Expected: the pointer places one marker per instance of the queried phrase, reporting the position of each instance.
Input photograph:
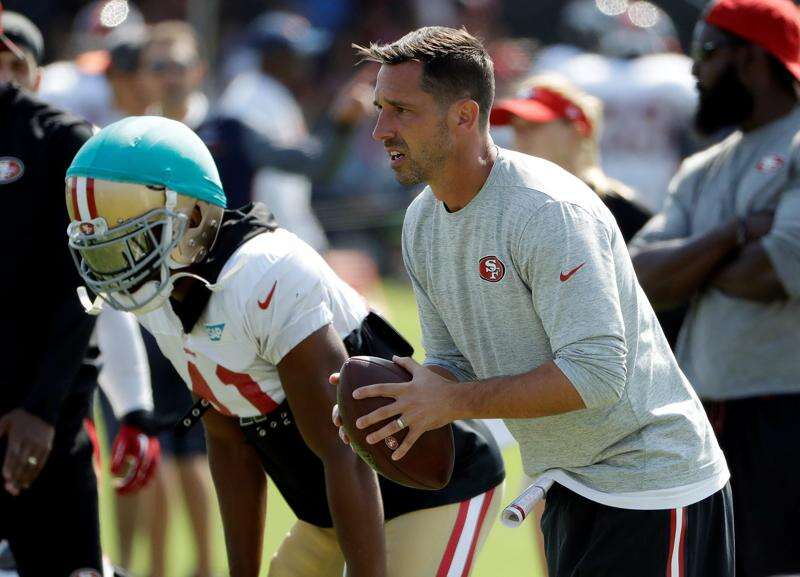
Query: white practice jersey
(649, 104)
(273, 292)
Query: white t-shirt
(272, 293)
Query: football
(429, 462)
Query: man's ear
(466, 113)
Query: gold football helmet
(144, 201)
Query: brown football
(429, 462)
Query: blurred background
(274, 90)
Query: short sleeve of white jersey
(288, 303)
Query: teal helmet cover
(151, 150)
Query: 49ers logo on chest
(770, 163)
(491, 269)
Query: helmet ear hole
(202, 225)
(196, 217)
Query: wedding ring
(400, 423)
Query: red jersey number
(246, 386)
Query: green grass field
(507, 553)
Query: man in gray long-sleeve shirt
(728, 243)
(520, 270)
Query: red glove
(134, 458)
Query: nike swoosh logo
(566, 276)
(264, 305)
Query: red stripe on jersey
(455, 536)
(90, 198)
(248, 388)
(487, 500)
(73, 193)
(201, 389)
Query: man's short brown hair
(455, 64)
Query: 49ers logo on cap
(11, 169)
(491, 268)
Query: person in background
(174, 71)
(728, 243)
(555, 120)
(107, 92)
(46, 393)
(240, 151)
(103, 97)
(264, 98)
(627, 54)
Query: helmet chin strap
(93, 307)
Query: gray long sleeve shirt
(733, 347)
(535, 269)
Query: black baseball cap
(17, 33)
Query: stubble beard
(432, 157)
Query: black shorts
(584, 538)
(761, 440)
(53, 527)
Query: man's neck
(769, 108)
(464, 175)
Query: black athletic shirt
(45, 330)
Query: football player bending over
(254, 321)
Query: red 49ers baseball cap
(540, 105)
(7, 42)
(774, 25)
